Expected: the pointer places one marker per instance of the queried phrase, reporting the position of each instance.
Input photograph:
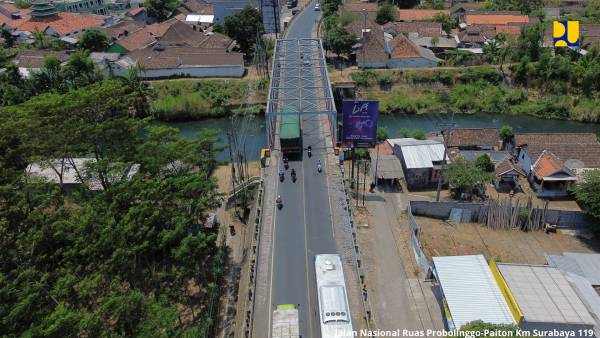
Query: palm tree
(139, 88)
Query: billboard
(360, 121)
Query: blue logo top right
(566, 33)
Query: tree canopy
(340, 41)
(113, 256)
(464, 174)
(243, 27)
(386, 13)
(505, 132)
(161, 9)
(484, 163)
(93, 40)
(587, 193)
(383, 133)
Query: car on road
(317, 7)
(294, 12)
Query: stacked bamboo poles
(506, 215)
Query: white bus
(334, 311)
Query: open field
(441, 238)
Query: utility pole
(365, 41)
(437, 199)
(232, 172)
(357, 180)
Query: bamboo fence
(504, 214)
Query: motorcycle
(286, 166)
(309, 153)
(294, 176)
(279, 205)
(319, 167)
(281, 177)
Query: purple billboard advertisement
(360, 121)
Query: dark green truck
(290, 135)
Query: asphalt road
(303, 228)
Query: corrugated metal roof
(589, 264)
(564, 263)
(586, 292)
(388, 166)
(544, 295)
(410, 141)
(471, 290)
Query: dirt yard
(223, 174)
(440, 238)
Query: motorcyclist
(278, 199)
(309, 148)
(280, 173)
(319, 161)
(285, 160)
(293, 172)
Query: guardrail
(253, 271)
(362, 275)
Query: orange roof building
(494, 19)
(410, 15)
(61, 24)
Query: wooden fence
(506, 215)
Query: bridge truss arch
(299, 83)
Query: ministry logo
(566, 33)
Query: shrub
(174, 108)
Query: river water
(255, 137)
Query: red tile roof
(122, 28)
(473, 137)
(548, 164)
(160, 63)
(423, 29)
(512, 30)
(179, 16)
(136, 40)
(207, 60)
(505, 166)
(9, 7)
(583, 147)
(135, 11)
(495, 19)
(358, 7)
(384, 149)
(4, 19)
(216, 40)
(159, 29)
(179, 34)
(26, 11)
(376, 50)
(62, 24)
(402, 47)
(420, 14)
(356, 27)
(34, 58)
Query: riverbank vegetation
(104, 248)
(185, 100)
(565, 86)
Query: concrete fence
(565, 219)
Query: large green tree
(341, 41)
(93, 40)
(114, 257)
(386, 13)
(243, 27)
(587, 192)
(464, 174)
(161, 9)
(446, 20)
